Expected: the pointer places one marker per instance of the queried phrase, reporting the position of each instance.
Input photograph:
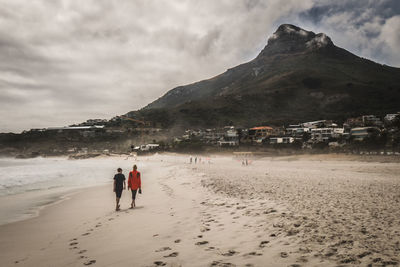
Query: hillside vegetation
(298, 76)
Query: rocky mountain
(298, 76)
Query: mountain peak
(291, 29)
(289, 38)
(298, 76)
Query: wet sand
(275, 212)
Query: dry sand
(292, 211)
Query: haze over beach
(200, 133)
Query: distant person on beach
(135, 184)
(119, 185)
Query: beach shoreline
(40, 199)
(286, 211)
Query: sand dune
(273, 212)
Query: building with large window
(360, 133)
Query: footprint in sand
(21, 260)
(160, 263)
(204, 229)
(284, 255)
(177, 241)
(253, 253)
(85, 234)
(268, 211)
(163, 249)
(263, 243)
(362, 255)
(302, 259)
(230, 252)
(82, 251)
(73, 245)
(173, 254)
(90, 262)
(201, 243)
(222, 264)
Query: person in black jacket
(119, 185)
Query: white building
(213, 136)
(369, 120)
(391, 117)
(326, 134)
(149, 147)
(227, 143)
(281, 140)
(296, 131)
(313, 124)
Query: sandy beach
(284, 211)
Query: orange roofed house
(260, 133)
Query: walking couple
(134, 184)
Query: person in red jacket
(134, 183)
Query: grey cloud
(324, 8)
(63, 62)
(366, 28)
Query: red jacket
(134, 181)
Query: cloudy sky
(63, 62)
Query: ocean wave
(23, 175)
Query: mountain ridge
(299, 75)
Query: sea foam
(24, 175)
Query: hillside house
(296, 131)
(326, 134)
(360, 133)
(371, 120)
(231, 135)
(313, 124)
(212, 136)
(354, 122)
(260, 132)
(390, 117)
